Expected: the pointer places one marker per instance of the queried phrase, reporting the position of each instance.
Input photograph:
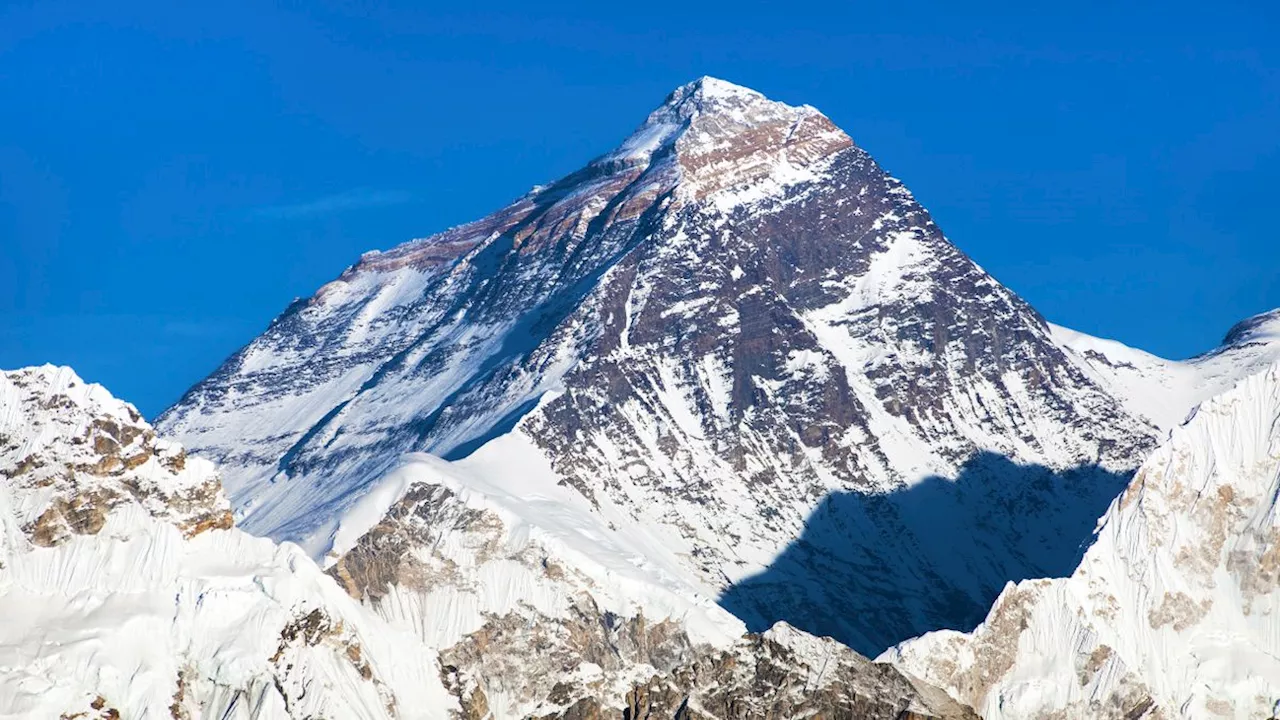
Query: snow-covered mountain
(543, 608)
(1175, 610)
(125, 593)
(735, 338)
(1163, 391)
(558, 462)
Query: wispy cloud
(340, 202)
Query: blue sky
(171, 178)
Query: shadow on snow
(874, 570)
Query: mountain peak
(723, 135)
(709, 90)
(688, 105)
(1261, 328)
(709, 140)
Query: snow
(781, 175)
(145, 618)
(629, 570)
(121, 615)
(347, 529)
(1164, 391)
(646, 141)
(715, 88)
(1177, 597)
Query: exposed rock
(89, 454)
(780, 674)
(98, 710)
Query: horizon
(177, 179)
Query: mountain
(736, 339)
(1174, 611)
(127, 593)
(733, 363)
(621, 449)
(1163, 391)
(542, 608)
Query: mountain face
(125, 592)
(736, 340)
(1174, 611)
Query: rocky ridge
(74, 453)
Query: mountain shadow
(874, 570)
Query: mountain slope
(1164, 391)
(125, 593)
(705, 333)
(541, 607)
(1175, 610)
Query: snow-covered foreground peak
(506, 498)
(125, 594)
(1175, 609)
(72, 454)
(1164, 391)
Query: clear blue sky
(171, 178)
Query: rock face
(1174, 611)
(782, 673)
(125, 594)
(734, 326)
(74, 454)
